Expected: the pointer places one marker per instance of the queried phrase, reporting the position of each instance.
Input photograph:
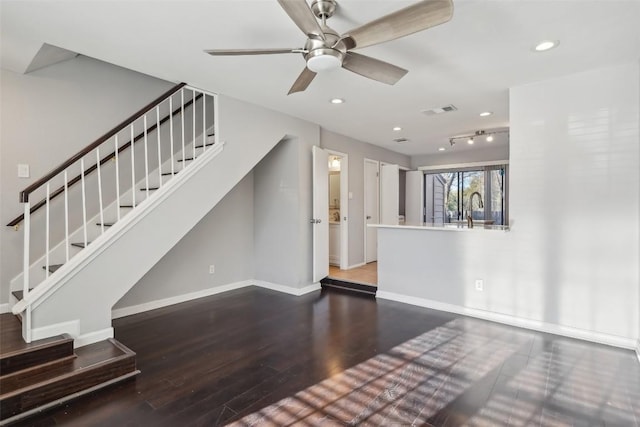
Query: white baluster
(46, 230)
(84, 202)
(99, 192)
(193, 137)
(66, 215)
(182, 128)
(159, 145)
(117, 179)
(146, 157)
(25, 257)
(133, 169)
(204, 122)
(171, 131)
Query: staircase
(48, 372)
(101, 220)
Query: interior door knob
(368, 216)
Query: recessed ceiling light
(545, 45)
(470, 141)
(490, 138)
(337, 101)
(397, 128)
(441, 149)
(486, 113)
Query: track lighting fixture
(471, 138)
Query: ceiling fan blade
(417, 17)
(235, 52)
(303, 81)
(300, 12)
(373, 68)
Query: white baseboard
(152, 305)
(92, 337)
(638, 350)
(357, 265)
(287, 289)
(550, 328)
(4, 308)
(72, 328)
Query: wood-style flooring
(218, 359)
(367, 274)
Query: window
(478, 192)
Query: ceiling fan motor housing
(325, 54)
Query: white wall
(358, 151)
(571, 260)
(223, 238)
(453, 157)
(50, 114)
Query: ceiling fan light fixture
(320, 60)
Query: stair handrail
(20, 218)
(24, 194)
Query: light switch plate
(23, 171)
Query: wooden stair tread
(80, 244)
(52, 268)
(208, 144)
(150, 189)
(93, 365)
(186, 159)
(170, 173)
(127, 206)
(106, 224)
(15, 354)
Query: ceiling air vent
(401, 140)
(439, 110)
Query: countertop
(444, 227)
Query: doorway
(371, 209)
(338, 179)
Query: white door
(320, 220)
(389, 194)
(371, 210)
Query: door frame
(344, 208)
(377, 193)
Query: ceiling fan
(325, 49)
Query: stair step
(349, 286)
(80, 245)
(95, 365)
(17, 355)
(208, 144)
(52, 268)
(186, 159)
(170, 173)
(106, 224)
(127, 206)
(150, 189)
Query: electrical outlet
(212, 269)
(479, 285)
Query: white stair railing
(154, 144)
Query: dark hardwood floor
(217, 359)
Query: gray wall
(572, 257)
(358, 151)
(467, 156)
(223, 238)
(50, 114)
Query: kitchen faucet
(470, 209)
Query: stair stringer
(86, 293)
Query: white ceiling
(470, 61)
